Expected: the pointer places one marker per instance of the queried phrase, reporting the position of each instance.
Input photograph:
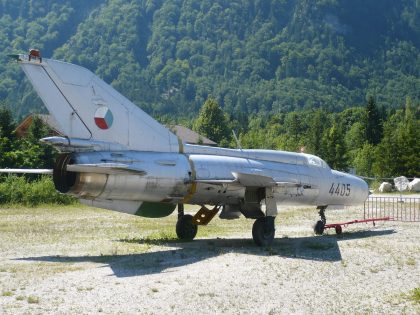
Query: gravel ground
(365, 270)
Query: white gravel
(366, 270)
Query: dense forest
(273, 56)
(371, 141)
(336, 78)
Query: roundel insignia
(103, 117)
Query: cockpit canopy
(316, 161)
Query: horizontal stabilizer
(25, 171)
(105, 168)
(64, 144)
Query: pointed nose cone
(359, 189)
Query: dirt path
(67, 267)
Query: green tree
(373, 122)
(408, 137)
(364, 159)
(212, 122)
(335, 148)
(7, 136)
(318, 122)
(388, 152)
(42, 152)
(294, 128)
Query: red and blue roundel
(103, 117)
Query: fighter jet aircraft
(115, 156)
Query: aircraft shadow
(179, 254)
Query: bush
(19, 190)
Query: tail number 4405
(340, 189)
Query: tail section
(85, 107)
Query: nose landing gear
(320, 225)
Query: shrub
(20, 190)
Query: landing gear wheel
(185, 229)
(338, 229)
(319, 227)
(263, 231)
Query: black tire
(338, 229)
(185, 229)
(263, 231)
(319, 228)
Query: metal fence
(403, 209)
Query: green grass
(7, 293)
(19, 190)
(33, 299)
(415, 296)
(411, 261)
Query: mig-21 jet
(115, 156)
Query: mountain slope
(279, 55)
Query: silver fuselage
(192, 177)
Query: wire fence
(404, 209)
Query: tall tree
(387, 152)
(373, 122)
(335, 148)
(212, 122)
(364, 159)
(408, 136)
(317, 124)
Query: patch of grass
(415, 296)
(33, 299)
(7, 293)
(80, 289)
(20, 298)
(207, 294)
(162, 236)
(155, 290)
(411, 261)
(40, 269)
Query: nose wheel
(319, 228)
(320, 225)
(263, 231)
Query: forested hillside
(272, 56)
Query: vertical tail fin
(86, 107)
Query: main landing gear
(320, 225)
(187, 225)
(185, 228)
(263, 231)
